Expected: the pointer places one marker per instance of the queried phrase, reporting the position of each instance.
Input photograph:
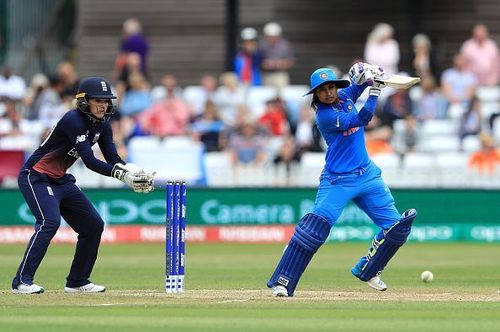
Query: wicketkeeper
(50, 192)
(348, 175)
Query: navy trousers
(48, 200)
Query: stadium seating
(10, 164)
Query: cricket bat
(398, 81)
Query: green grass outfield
(226, 291)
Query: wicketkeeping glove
(139, 181)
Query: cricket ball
(427, 276)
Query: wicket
(176, 236)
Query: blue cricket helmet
(325, 75)
(94, 88)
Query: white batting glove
(140, 182)
(358, 73)
(376, 89)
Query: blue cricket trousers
(365, 187)
(48, 200)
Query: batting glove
(359, 73)
(376, 88)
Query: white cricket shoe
(88, 288)
(280, 291)
(377, 283)
(28, 289)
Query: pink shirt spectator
(168, 117)
(482, 56)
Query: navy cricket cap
(325, 75)
(95, 87)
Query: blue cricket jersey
(72, 137)
(342, 126)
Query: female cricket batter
(348, 175)
(50, 192)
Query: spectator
(423, 62)
(277, 56)
(133, 42)
(487, 159)
(470, 122)
(69, 78)
(168, 117)
(137, 99)
(168, 82)
(399, 106)
(304, 133)
(15, 131)
(31, 100)
(457, 83)
(196, 97)
(208, 128)
(274, 118)
(431, 104)
(247, 146)
(52, 107)
(131, 68)
(289, 154)
(382, 49)
(482, 57)
(12, 87)
(248, 60)
(228, 96)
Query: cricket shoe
(88, 288)
(377, 283)
(280, 291)
(28, 289)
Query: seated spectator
(470, 122)
(168, 117)
(457, 83)
(132, 67)
(208, 128)
(423, 61)
(431, 104)
(12, 87)
(274, 118)
(382, 49)
(51, 106)
(248, 60)
(487, 159)
(15, 131)
(228, 97)
(197, 96)
(137, 99)
(168, 82)
(247, 146)
(69, 78)
(31, 100)
(482, 57)
(289, 154)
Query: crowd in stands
(223, 113)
